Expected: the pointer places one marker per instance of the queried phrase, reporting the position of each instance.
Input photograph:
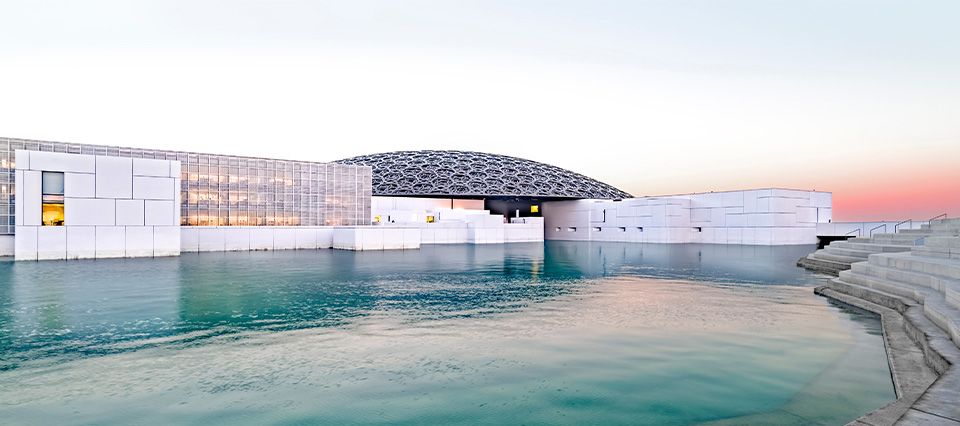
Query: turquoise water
(555, 333)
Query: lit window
(52, 187)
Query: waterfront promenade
(912, 279)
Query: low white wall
(752, 217)
(6, 245)
(246, 238)
(375, 238)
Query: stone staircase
(839, 255)
(922, 284)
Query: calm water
(559, 333)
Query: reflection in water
(561, 332)
(86, 307)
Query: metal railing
(910, 221)
(851, 232)
(939, 216)
(884, 226)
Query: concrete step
(911, 239)
(941, 252)
(871, 247)
(824, 266)
(861, 254)
(941, 241)
(949, 288)
(947, 268)
(823, 255)
(935, 307)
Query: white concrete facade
(254, 238)
(113, 207)
(752, 217)
(455, 221)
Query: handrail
(884, 226)
(855, 230)
(910, 221)
(939, 216)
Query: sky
(860, 98)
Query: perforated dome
(465, 174)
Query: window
(52, 189)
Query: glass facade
(226, 190)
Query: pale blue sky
(654, 97)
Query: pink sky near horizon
(858, 98)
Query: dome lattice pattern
(464, 173)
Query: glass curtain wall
(224, 190)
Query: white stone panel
(151, 167)
(130, 212)
(25, 243)
(79, 185)
(81, 242)
(89, 212)
(166, 241)
(284, 239)
(210, 239)
(325, 237)
(30, 196)
(22, 159)
(159, 213)
(154, 188)
(114, 177)
(18, 193)
(261, 238)
(411, 238)
(189, 239)
(174, 169)
(306, 238)
(51, 243)
(60, 162)
(7, 245)
(139, 241)
(236, 239)
(110, 241)
(393, 239)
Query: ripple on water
(557, 333)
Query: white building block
(130, 213)
(89, 212)
(51, 243)
(25, 243)
(139, 241)
(18, 193)
(306, 238)
(174, 169)
(79, 185)
(189, 239)
(30, 195)
(210, 239)
(284, 239)
(325, 237)
(21, 159)
(166, 241)
(236, 238)
(114, 177)
(60, 162)
(261, 238)
(411, 238)
(154, 188)
(111, 241)
(151, 167)
(81, 242)
(159, 213)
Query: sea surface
(555, 333)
